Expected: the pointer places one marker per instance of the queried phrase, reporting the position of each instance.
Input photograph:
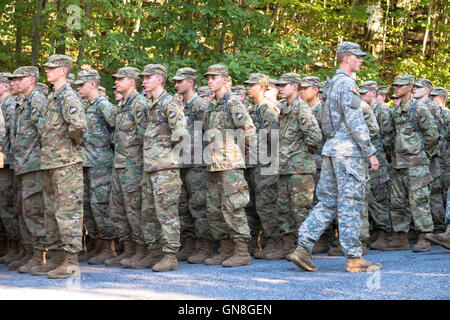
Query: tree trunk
(36, 33)
(19, 32)
(61, 7)
(427, 30)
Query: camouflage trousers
(7, 212)
(340, 192)
(378, 198)
(295, 199)
(410, 199)
(63, 213)
(447, 209)
(160, 222)
(436, 197)
(226, 200)
(192, 205)
(125, 204)
(262, 206)
(30, 210)
(97, 186)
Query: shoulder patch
(73, 109)
(239, 115)
(172, 114)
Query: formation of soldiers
(206, 176)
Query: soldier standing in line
(205, 93)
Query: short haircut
(340, 57)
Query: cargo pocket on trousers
(419, 177)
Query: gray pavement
(405, 275)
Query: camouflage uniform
(97, 167)
(161, 179)
(7, 212)
(414, 142)
(126, 189)
(300, 137)
(227, 194)
(64, 124)
(341, 187)
(27, 163)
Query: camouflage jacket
(26, 132)
(300, 137)
(415, 141)
(2, 127)
(166, 127)
(226, 115)
(352, 138)
(8, 107)
(194, 111)
(383, 116)
(131, 121)
(63, 119)
(264, 117)
(435, 111)
(97, 140)
(316, 112)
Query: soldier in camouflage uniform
(262, 181)
(97, 167)
(300, 137)
(205, 93)
(125, 202)
(26, 151)
(42, 87)
(7, 212)
(227, 188)
(161, 183)
(381, 94)
(63, 126)
(415, 141)
(192, 206)
(421, 91)
(340, 190)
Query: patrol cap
(151, 69)
(289, 78)
(310, 81)
(258, 78)
(127, 72)
(439, 91)
(28, 71)
(238, 89)
(382, 89)
(59, 60)
(217, 69)
(204, 91)
(4, 77)
(87, 75)
(367, 86)
(349, 47)
(101, 89)
(423, 83)
(185, 73)
(403, 79)
(42, 87)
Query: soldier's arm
(37, 105)
(140, 114)
(429, 129)
(2, 128)
(310, 128)
(73, 113)
(440, 122)
(173, 111)
(108, 112)
(387, 130)
(242, 119)
(372, 124)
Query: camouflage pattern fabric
(7, 213)
(8, 107)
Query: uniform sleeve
(241, 117)
(108, 112)
(73, 113)
(429, 129)
(2, 127)
(310, 128)
(440, 122)
(140, 114)
(372, 125)
(387, 130)
(176, 120)
(37, 105)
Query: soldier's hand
(374, 164)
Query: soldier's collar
(155, 101)
(195, 95)
(57, 92)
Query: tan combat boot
(139, 254)
(225, 251)
(361, 265)
(203, 251)
(152, 257)
(271, 246)
(129, 248)
(69, 268)
(187, 250)
(168, 263)
(95, 250)
(398, 242)
(380, 241)
(106, 252)
(38, 259)
(422, 244)
(56, 260)
(442, 239)
(253, 246)
(16, 264)
(287, 247)
(241, 256)
(303, 259)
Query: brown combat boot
(399, 242)
(69, 268)
(303, 259)
(106, 252)
(361, 265)
(203, 251)
(15, 252)
(152, 257)
(271, 246)
(422, 244)
(442, 239)
(187, 250)
(168, 263)
(37, 260)
(382, 238)
(241, 256)
(337, 251)
(288, 247)
(129, 249)
(139, 254)
(6, 252)
(97, 248)
(253, 246)
(225, 251)
(56, 260)
(16, 264)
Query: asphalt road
(405, 275)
